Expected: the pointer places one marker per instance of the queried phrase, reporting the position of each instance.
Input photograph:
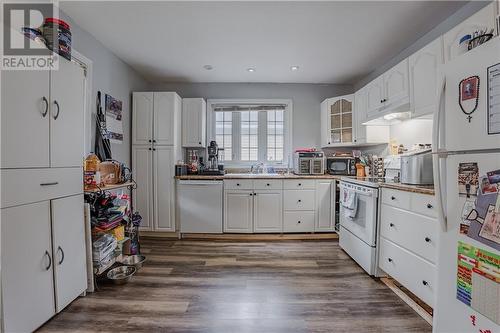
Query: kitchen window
(251, 131)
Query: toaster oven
(338, 165)
(309, 163)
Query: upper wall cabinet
(49, 100)
(155, 118)
(337, 122)
(483, 19)
(360, 116)
(389, 92)
(396, 84)
(375, 96)
(423, 77)
(194, 122)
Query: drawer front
(299, 184)
(267, 184)
(299, 199)
(298, 222)
(22, 186)
(413, 272)
(400, 199)
(414, 232)
(238, 184)
(423, 204)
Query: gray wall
(306, 101)
(459, 16)
(112, 76)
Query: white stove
(358, 234)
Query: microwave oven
(338, 165)
(309, 163)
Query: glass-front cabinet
(337, 120)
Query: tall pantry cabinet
(156, 146)
(42, 211)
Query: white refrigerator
(466, 144)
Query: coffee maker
(213, 167)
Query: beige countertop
(396, 186)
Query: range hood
(389, 118)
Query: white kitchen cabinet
(423, 66)
(337, 115)
(389, 92)
(164, 188)
(325, 205)
(156, 138)
(396, 86)
(69, 256)
(268, 211)
(166, 116)
(359, 116)
(142, 172)
(375, 95)
(142, 118)
(49, 100)
(27, 261)
(194, 122)
(483, 19)
(67, 94)
(24, 118)
(156, 118)
(238, 211)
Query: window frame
(262, 138)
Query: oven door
(364, 224)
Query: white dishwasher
(200, 206)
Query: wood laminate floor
(237, 287)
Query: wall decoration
(469, 95)
(114, 119)
(478, 280)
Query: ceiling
(330, 41)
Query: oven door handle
(367, 194)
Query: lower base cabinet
(238, 211)
(275, 206)
(267, 211)
(43, 260)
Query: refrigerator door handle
(437, 154)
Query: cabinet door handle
(298, 222)
(427, 239)
(58, 109)
(300, 184)
(50, 260)
(429, 206)
(62, 255)
(425, 282)
(154, 149)
(299, 200)
(389, 259)
(154, 141)
(46, 110)
(49, 184)
(268, 184)
(238, 184)
(150, 141)
(391, 225)
(393, 198)
(251, 194)
(199, 142)
(149, 148)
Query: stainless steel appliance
(309, 163)
(214, 167)
(341, 165)
(416, 168)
